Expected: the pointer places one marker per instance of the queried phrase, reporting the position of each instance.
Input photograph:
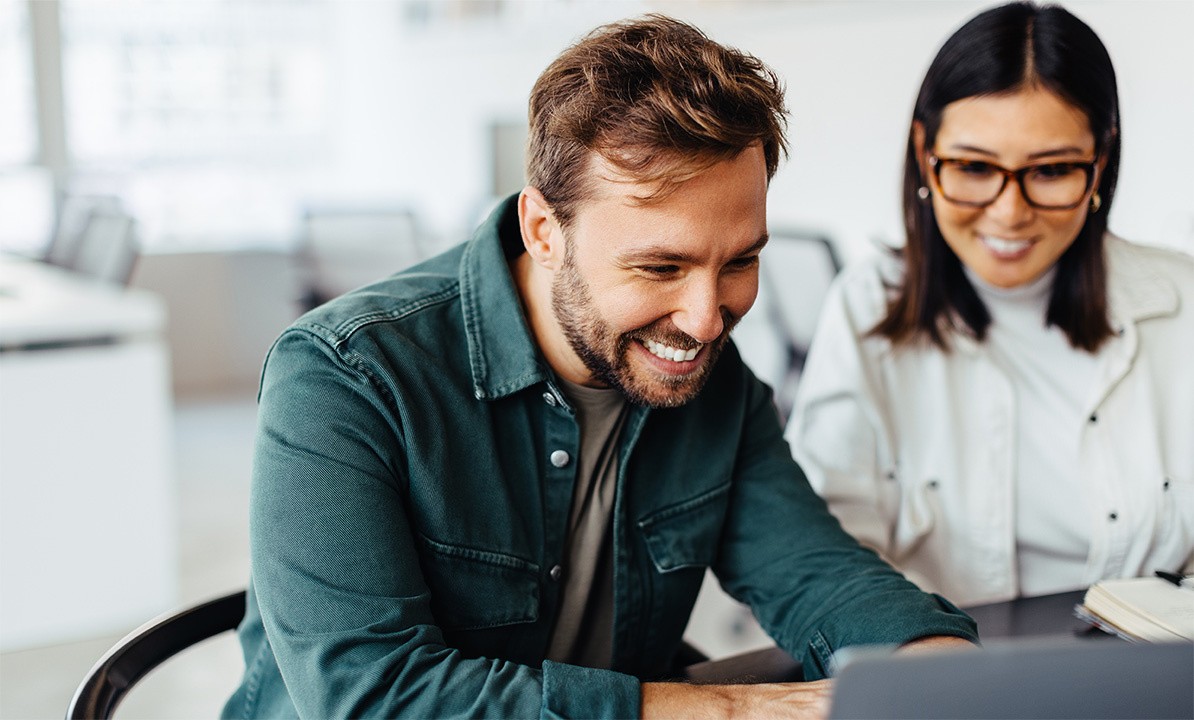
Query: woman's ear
(541, 236)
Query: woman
(1007, 407)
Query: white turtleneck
(1052, 382)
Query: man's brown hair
(654, 97)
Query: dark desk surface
(1044, 616)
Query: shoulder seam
(338, 335)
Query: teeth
(667, 352)
(1004, 246)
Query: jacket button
(556, 572)
(549, 399)
(559, 458)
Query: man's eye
(744, 263)
(660, 270)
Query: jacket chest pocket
(685, 535)
(473, 589)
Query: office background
(231, 129)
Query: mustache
(666, 333)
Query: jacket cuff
(571, 691)
(903, 623)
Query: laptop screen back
(1042, 679)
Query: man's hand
(798, 700)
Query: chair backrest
(795, 273)
(109, 248)
(93, 236)
(106, 684)
(73, 216)
(343, 248)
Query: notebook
(1053, 678)
(1146, 609)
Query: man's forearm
(665, 701)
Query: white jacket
(913, 450)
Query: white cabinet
(88, 523)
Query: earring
(1096, 202)
(923, 193)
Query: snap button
(556, 572)
(559, 458)
(1114, 516)
(549, 399)
(933, 484)
(1094, 418)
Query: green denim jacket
(406, 516)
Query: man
(491, 485)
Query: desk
(87, 521)
(1044, 616)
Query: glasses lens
(1056, 184)
(969, 182)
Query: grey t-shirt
(583, 634)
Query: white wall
(414, 105)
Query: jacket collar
(1135, 290)
(502, 353)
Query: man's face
(647, 293)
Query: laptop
(1054, 678)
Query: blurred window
(25, 210)
(18, 136)
(205, 116)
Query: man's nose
(700, 314)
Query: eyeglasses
(1048, 186)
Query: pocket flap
(473, 589)
(686, 534)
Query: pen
(1182, 581)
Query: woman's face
(1009, 242)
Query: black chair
(796, 272)
(148, 646)
(342, 248)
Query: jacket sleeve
(336, 571)
(812, 586)
(838, 428)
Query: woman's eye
(1056, 171)
(976, 169)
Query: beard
(606, 353)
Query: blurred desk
(87, 518)
(1044, 616)
(44, 305)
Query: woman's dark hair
(1000, 51)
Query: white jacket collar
(1135, 290)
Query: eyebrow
(659, 254)
(1051, 152)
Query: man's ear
(541, 234)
